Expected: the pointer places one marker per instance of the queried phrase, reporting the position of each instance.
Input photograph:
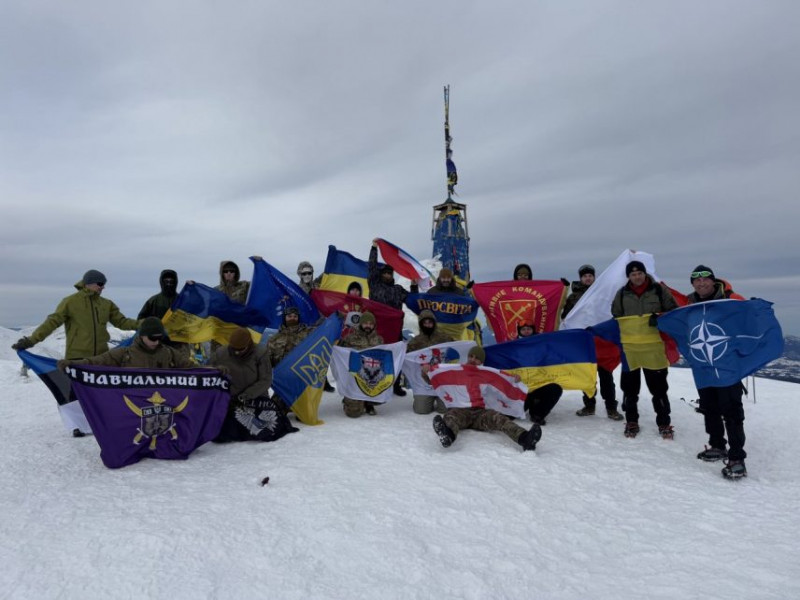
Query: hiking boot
(398, 389)
(712, 454)
(614, 415)
(328, 387)
(528, 439)
(734, 469)
(446, 435)
(631, 429)
(369, 408)
(667, 432)
(78, 433)
(585, 412)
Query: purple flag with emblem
(138, 413)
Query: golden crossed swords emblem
(155, 419)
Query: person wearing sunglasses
(85, 316)
(229, 283)
(306, 274)
(147, 351)
(721, 407)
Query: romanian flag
(271, 292)
(563, 357)
(404, 264)
(642, 345)
(389, 321)
(299, 377)
(453, 312)
(61, 387)
(201, 313)
(341, 269)
(507, 303)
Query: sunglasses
(100, 284)
(156, 338)
(229, 271)
(696, 274)
(304, 273)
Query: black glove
(62, 365)
(653, 320)
(23, 343)
(565, 281)
(470, 284)
(223, 370)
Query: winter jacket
(139, 356)
(359, 339)
(287, 338)
(250, 375)
(158, 305)
(392, 294)
(656, 299)
(85, 316)
(578, 290)
(423, 340)
(722, 290)
(237, 290)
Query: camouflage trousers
(425, 405)
(356, 408)
(482, 419)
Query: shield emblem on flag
(156, 419)
(515, 311)
(373, 371)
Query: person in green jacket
(85, 316)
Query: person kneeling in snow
(454, 420)
(252, 414)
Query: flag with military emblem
(368, 374)
(509, 303)
(446, 353)
(139, 413)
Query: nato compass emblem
(157, 418)
(708, 342)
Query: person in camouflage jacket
(147, 351)
(428, 336)
(85, 316)
(229, 283)
(290, 334)
(361, 337)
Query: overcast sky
(174, 134)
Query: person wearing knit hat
(446, 284)
(722, 407)
(608, 390)
(360, 338)
(644, 297)
(542, 400)
(85, 316)
(448, 425)
(429, 335)
(252, 414)
(147, 351)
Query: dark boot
(528, 439)
(446, 435)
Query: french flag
(405, 264)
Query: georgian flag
(469, 386)
(445, 353)
(405, 264)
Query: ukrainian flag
(641, 344)
(563, 357)
(201, 313)
(341, 269)
(299, 377)
(453, 313)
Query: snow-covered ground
(376, 508)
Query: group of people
(254, 414)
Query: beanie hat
(354, 285)
(525, 323)
(585, 269)
(446, 273)
(367, 317)
(151, 326)
(240, 339)
(700, 269)
(635, 265)
(426, 314)
(291, 310)
(386, 269)
(93, 276)
(477, 352)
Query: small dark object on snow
(78, 433)
(264, 481)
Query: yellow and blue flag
(563, 357)
(272, 292)
(725, 340)
(453, 312)
(200, 314)
(341, 269)
(299, 377)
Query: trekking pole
(754, 389)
